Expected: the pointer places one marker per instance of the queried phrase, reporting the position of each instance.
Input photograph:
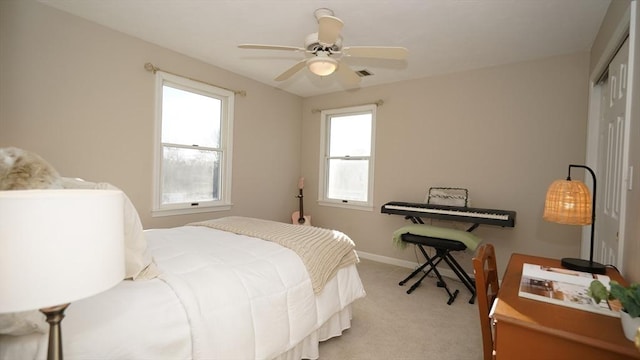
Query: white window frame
(226, 137)
(325, 117)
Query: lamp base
(55, 314)
(584, 266)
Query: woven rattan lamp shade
(568, 202)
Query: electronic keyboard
(477, 216)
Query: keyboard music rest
(505, 218)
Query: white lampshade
(58, 246)
(322, 65)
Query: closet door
(610, 174)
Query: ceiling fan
(324, 51)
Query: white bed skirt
(308, 348)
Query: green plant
(629, 296)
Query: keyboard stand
(448, 204)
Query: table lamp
(56, 247)
(568, 202)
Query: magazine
(564, 287)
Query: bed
(227, 288)
(218, 295)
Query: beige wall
(504, 133)
(608, 29)
(77, 94)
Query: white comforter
(221, 296)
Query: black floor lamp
(568, 202)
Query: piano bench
(451, 245)
(448, 240)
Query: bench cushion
(470, 240)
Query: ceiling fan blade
(329, 29)
(346, 74)
(270, 47)
(292, 70)
(377, 52)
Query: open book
(564, 287)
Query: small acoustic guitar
(298, 217)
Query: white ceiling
(443, 36)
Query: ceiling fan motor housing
(312, 44)
(318, 13)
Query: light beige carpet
(391, 324)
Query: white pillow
(139, 265)
(23, 323)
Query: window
(346, 164)
(193, 146)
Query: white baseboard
(444, 271)
(387, 260)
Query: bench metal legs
(432, 262)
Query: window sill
(346, 205)
(173, 212)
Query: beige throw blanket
(322, 251)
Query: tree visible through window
(347, 156)
(194, 145)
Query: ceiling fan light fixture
(322, 65)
